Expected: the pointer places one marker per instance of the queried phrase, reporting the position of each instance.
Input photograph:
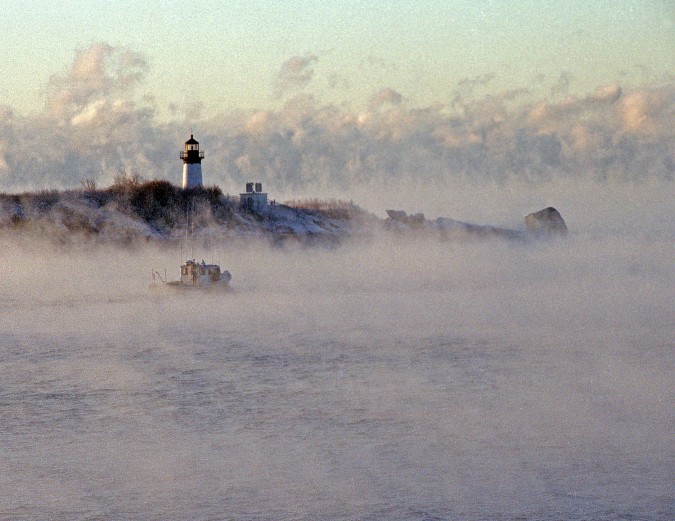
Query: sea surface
(388, 380)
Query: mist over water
(388, 378)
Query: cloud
(386, 96)
(606, 94)
(469, 84)
(562, 86)
(94, 126)
(648, 111)
(96, 73)
(466, 88)
(295, 73)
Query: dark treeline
(159, 204)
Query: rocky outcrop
(546, 222)
(443, 227)
(414, 220)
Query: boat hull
(177, 285)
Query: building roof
(192, 141)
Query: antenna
(187, 227)
(192, 230)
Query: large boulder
(397, 215)
(546, 221)
(413, 220)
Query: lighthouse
(192, 163)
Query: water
(396, 381)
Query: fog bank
(384, 379)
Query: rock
(546, 221)
(397, 215)
(416, 220)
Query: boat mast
(192, 231)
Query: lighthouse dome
(192, 141)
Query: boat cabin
(199, 274)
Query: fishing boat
(194, 276)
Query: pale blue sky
(227, 54)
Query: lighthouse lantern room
(192, 163)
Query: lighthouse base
(192, 175)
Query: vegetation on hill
(132, 208)
(164, 206)
(334, 208)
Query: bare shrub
(125, 180)
(88, 185)
(334, 208)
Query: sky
(338, 98)
(227, 55)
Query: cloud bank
(296, 72)
(97, 123)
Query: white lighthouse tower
(192, 163)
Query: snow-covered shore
(157, 211)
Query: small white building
(192, 163)
(254, 198)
